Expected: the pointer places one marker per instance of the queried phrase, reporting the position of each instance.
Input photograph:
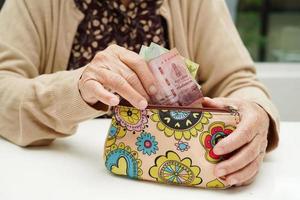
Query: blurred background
(270, 30)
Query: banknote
(155, 50)
(176, 85)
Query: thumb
(215, 103)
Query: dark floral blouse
(111, 22)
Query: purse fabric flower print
(170, 145)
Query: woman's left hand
(248, 142)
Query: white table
(73, 168)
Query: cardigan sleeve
(226, 68)
(35, 109)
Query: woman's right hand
(118, 70)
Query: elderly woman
(60, 60)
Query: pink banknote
(176, 85)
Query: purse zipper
(229, 109)
(193, 109)
(235, 113)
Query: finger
(246, 173)
(220, 102)
(138, 65)
(108, 61)
(117, 83)
(100, 93)
(243, 134)
(212, 103)
(248, 182)
(241, 159)
(132, 79)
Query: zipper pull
(235, 113)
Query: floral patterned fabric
(216, 132)
(167, 146)
(111, 22)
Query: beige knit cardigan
(39, 99)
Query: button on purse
(165, 144)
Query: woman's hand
(119, 70)
(248, 142)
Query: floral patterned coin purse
(166, 144)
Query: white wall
(283, 81)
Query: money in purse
(175, 77)
(172, 140)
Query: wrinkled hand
(247, 143)
(119, 70)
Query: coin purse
(172, 145)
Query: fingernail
(220, 172)
(114, 101)
(143, 104)
(152, 90)
(218, 150)
(233, 181)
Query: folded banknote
(175, 77)
(155, 50)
